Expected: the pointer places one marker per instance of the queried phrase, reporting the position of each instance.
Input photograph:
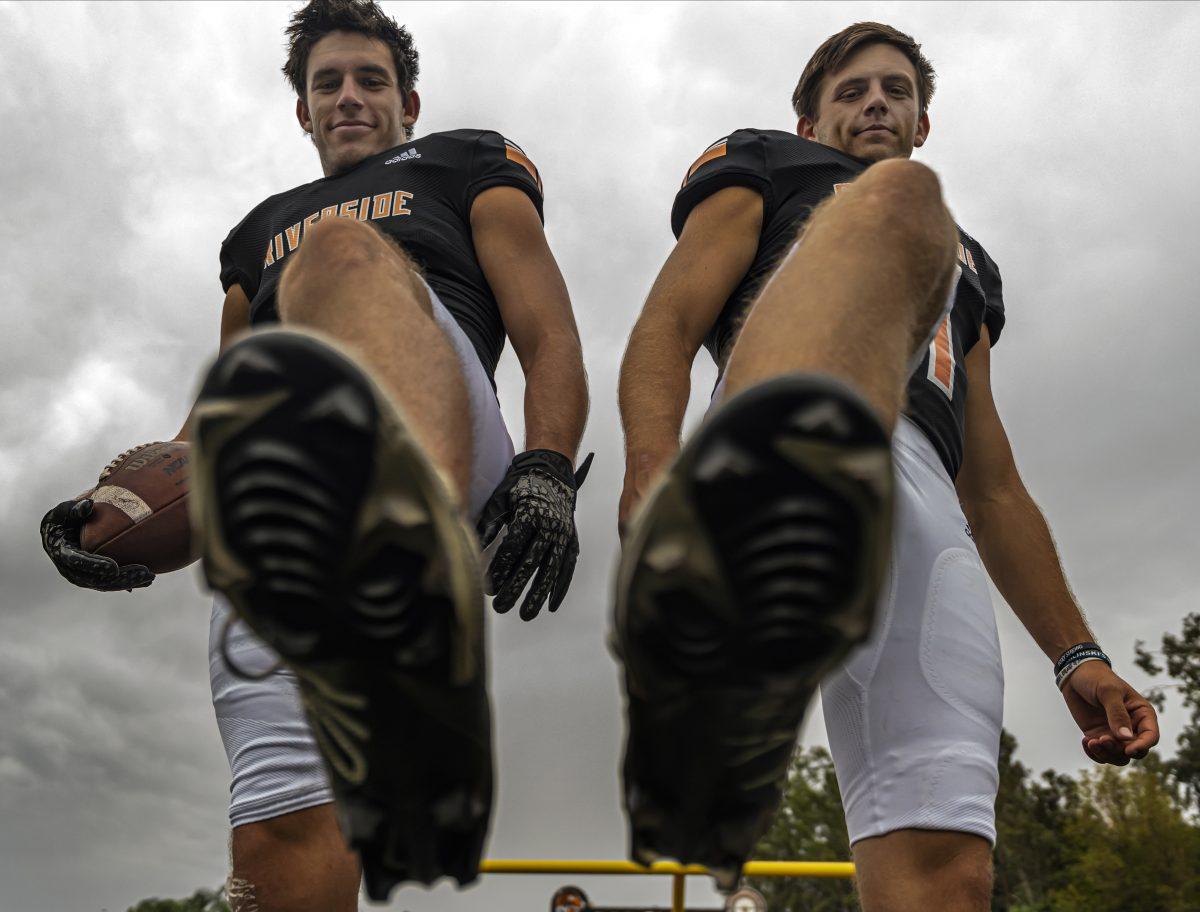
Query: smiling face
(353, 106)
(870, 107)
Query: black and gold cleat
(334, 539)
(751, 571)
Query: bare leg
(350, 282)
(919, 870)
(861, 292)
(293, 863)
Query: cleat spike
(250, 368)
(343, 406)
(667, 555)
(725, 461)
(821, 419)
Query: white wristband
(1061, 678)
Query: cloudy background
(136, 135)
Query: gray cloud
(139, 134)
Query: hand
(1118, 723)
(536, 500)
(60, 538)
(642, 471)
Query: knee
(334, 251)
(912, 870)
(961, 875)
(970, 876)
(338, 243)
(906, 197)
(902, 181)
(288, 862)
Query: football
(140, 514)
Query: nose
(877, 100)
(349, 96)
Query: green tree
(1129, 845)
(200, 901)
(1031, 818)
(810, 826)
(1181, 660)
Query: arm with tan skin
(1016, 546)
(714, 252)
(536, 498)
(520, 268)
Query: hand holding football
(140, 514)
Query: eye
(849, 93)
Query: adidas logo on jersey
(403, 157)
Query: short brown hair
(318, 18)
(836, 49)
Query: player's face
(869, 108)
(353, 106)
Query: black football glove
(536, 500)
(60, 539)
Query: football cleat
(750, 572)
(335, 540)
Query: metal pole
(678, 885)
(669, 868)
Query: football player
(851, 484)
(340, 463)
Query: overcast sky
(136, 135)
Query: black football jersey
(420, 193)
(794, 175)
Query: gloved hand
(536, 500)
(60, 539)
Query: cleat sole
(750, 572)
(334, 539)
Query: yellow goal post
(677, 872)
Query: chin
(877, 152)
(346, 160)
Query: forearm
(1018, 551)
(185, 431)
(655, 385)
(556, 396)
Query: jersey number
(941, 359)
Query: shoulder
(738, 153)
(469, 140)
(452, 138)
(765, 153)
(973, 256)
(977, 256)
(488, 159)
(484, 149)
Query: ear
(412, 108)
(303, 116)
(806, 128)
(922, 131)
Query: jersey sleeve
(242, 258)
(993, 292)
(738, 159)
(500, 162)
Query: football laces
(111, 467)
